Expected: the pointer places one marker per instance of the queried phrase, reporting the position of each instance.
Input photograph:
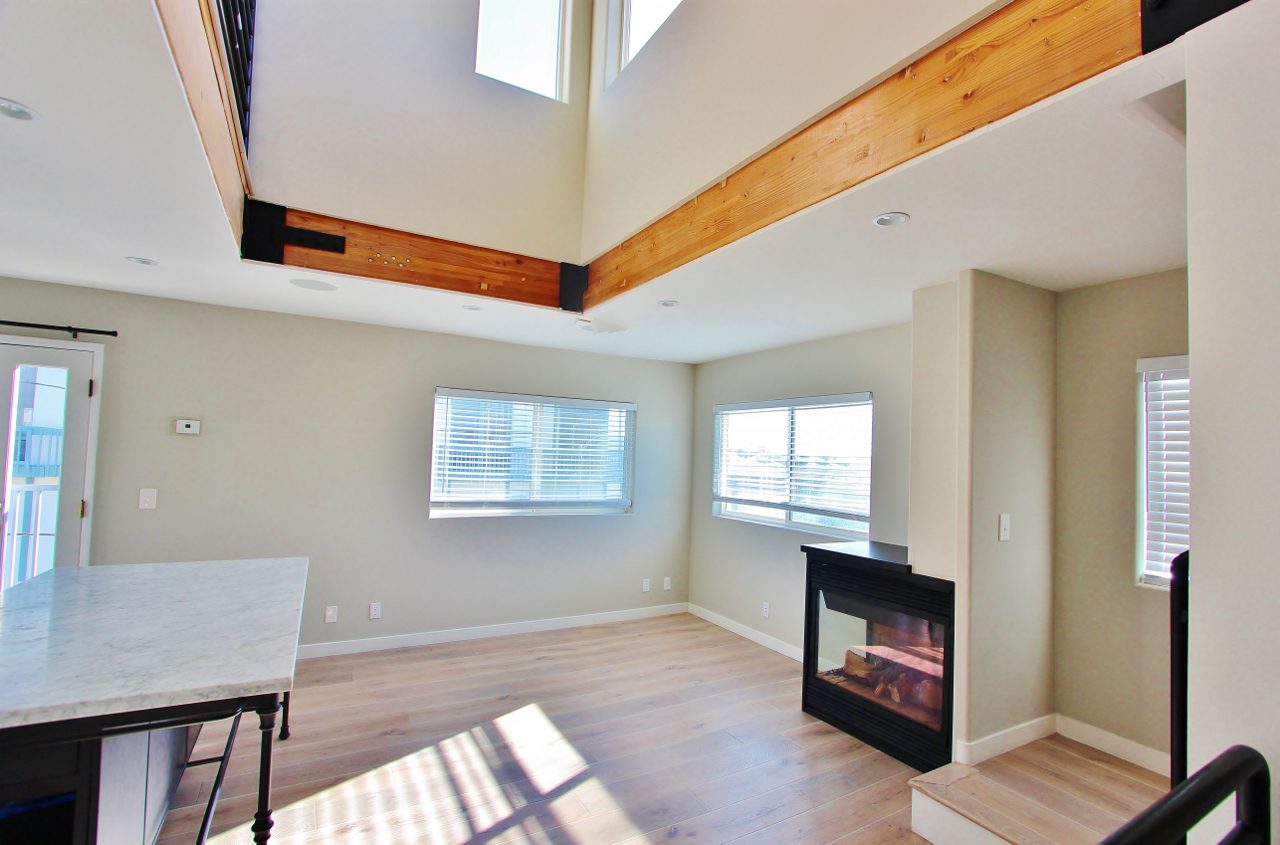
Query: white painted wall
(1233, 297)
(1111, 637)
(316, 441)
(374, 112)
(735, 566)
(1010, 589)
(933, 534)
(721, 82)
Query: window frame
(440, 509)
(786, 519)
(618, 38)
(1174, 363)
(564, 52)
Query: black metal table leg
(284, 719)
(262, 822)
(216, 790)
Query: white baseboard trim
(452, 635)
(936, 822)
(781, 646)
(973, 753)
(1115, 745)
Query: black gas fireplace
(878, 650)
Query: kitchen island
(94, 660)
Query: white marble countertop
(110, 639)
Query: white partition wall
(1233, 182)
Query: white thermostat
(187, 426)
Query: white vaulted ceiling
(1082, 189)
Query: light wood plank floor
(659, 730)
(1054, 791)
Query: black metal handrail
(236, 17)
(1179, 604)
(1240, 770)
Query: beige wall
(1010, 589)
(1111, 636)
(1233, 297)
(735, 566)
(721, 81)
(935, 433)
(316, 441)
(379, 116)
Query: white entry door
(46, 413)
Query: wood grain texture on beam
(192, 31)
(1021, 54)
(395, 256)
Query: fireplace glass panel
(892, 659)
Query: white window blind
(496, 454)
(796, 463)
(1165, 466)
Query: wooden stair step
(1050, 792)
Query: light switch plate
(1004, 528)
(186, 426)
(147, 499)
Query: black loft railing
(1179, 596)
(237, 37)
(1240, 770)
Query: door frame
(98, 351)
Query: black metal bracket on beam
(1165, 21)
(265, 234)
(573, 287)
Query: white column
(1233, 191)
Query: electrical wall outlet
(764, 610)
(375, 610)
(644, 586)
(666, 583)
(331, 614)
(147, 499)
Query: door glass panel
(33, 471)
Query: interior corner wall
(734, 566)
(316, 441)
(374, 112)
(1111, 636)
(1010, 584)
(1233, 299)
(721, 82)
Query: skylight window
(522, 43)
(642, 19)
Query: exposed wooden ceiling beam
(395, 256)
(192, 31)
(1025, 52)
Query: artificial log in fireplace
(878, 650)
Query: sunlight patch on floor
(514, 781)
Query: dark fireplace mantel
(879, 650)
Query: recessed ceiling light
(471, 306)
(138, 259)
(668, 303)
(313, 284)
(891, 218)
(15, 110)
